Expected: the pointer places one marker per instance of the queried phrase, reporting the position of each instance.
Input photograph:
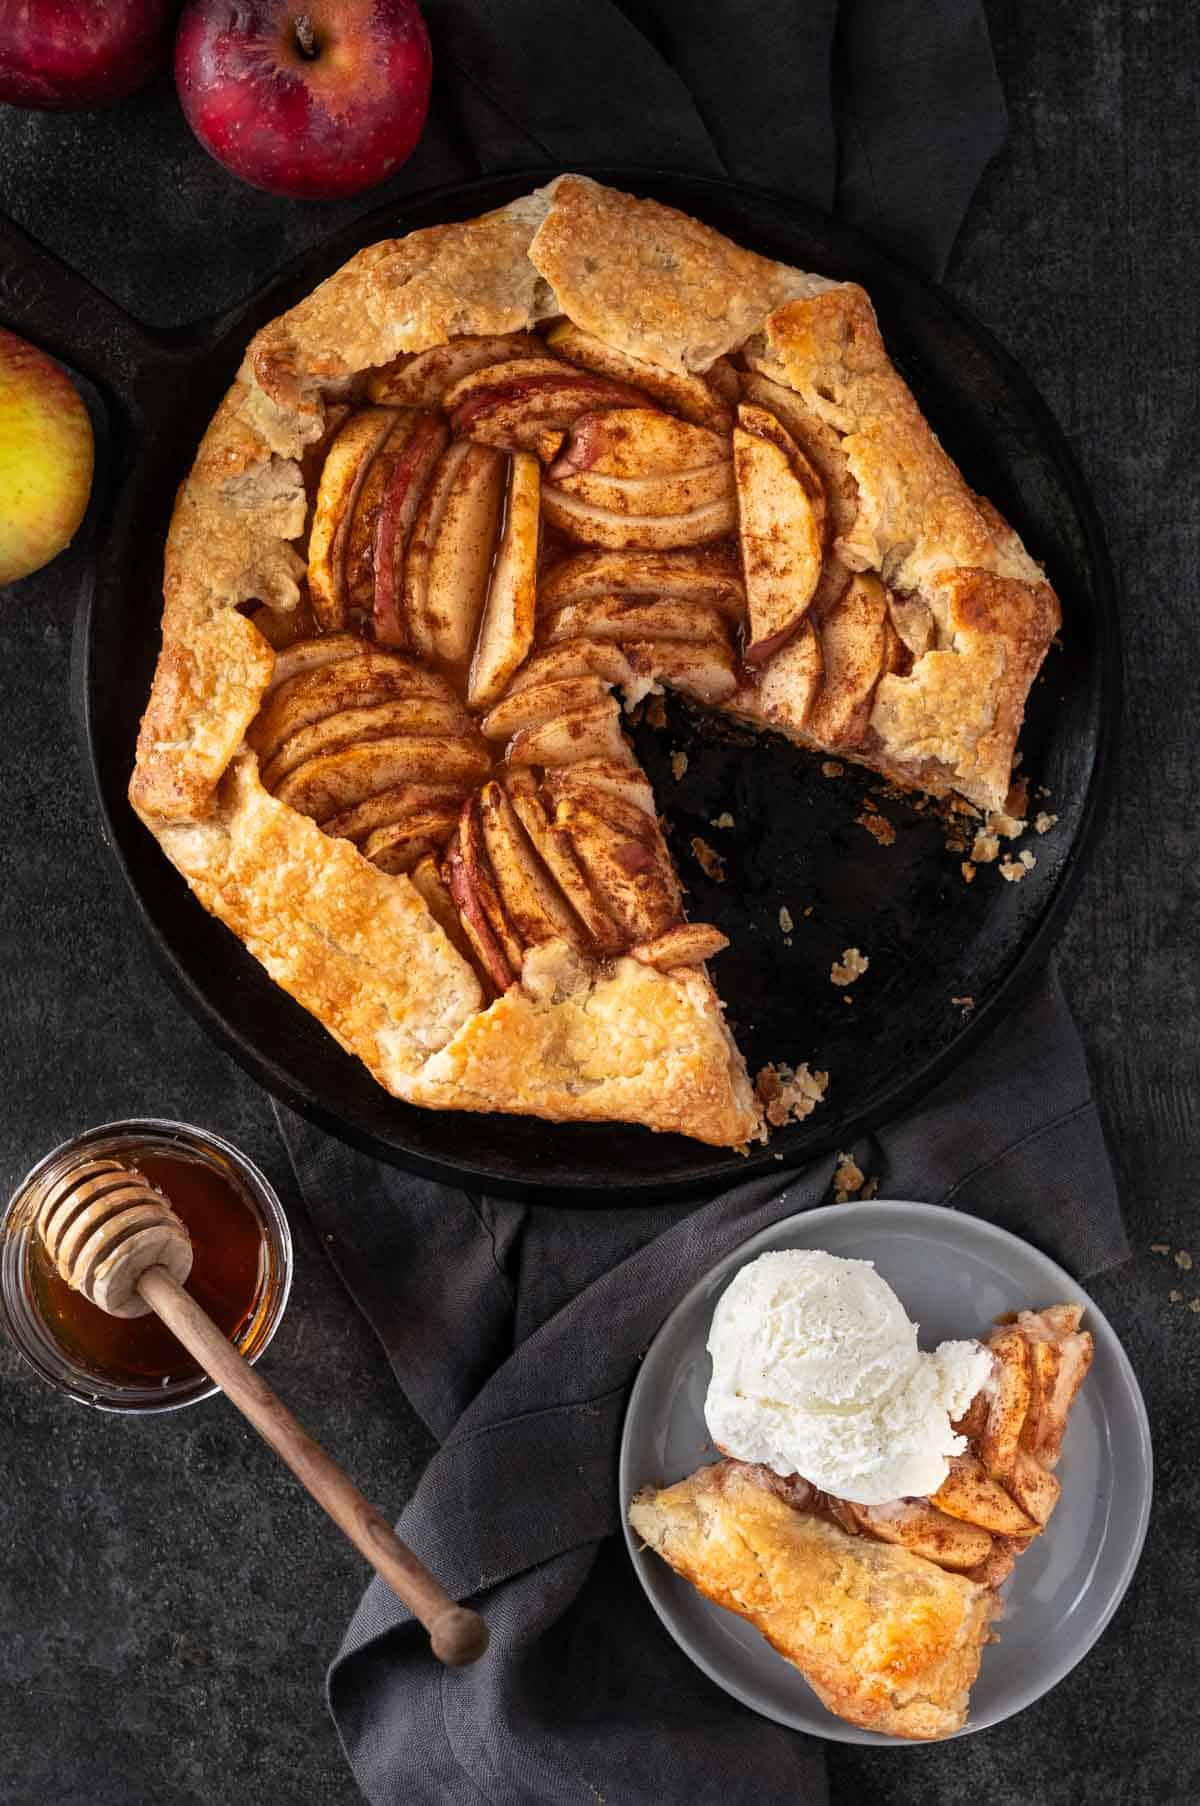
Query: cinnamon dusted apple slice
(531, 706)
(349, 727)
(361, 679)
(625, 868)
(426, 878)
(345, 469)
(781, 528)
(336, 781)
(364, 516)
(710, 574)
(593, 732)
(791, 682)
(515, 409)
(683, 493)
(633, 618)
(473, 852)
(702, 669)
(399, 846)
(692, 396)
(855, 643)
(529, 897)
(594, 526)
(473, 919)
(920, 1527)
(690, 944)
(554, 850)
(460, 564)
(821, 444)
(420, 379)
(578, 658)
(414, 588)
(310, 653)
(626, 782)
(1009, 1403)
(407, 478)
(510, 612)
(1060, 1356)
(969, 1493)
(487, 380)
(1033, 1487)
(633, 442)
(388, 806)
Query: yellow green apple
(46, 458)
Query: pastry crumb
(1013, 870)
(708, 859)
(1044, 822)
(789, 1094)
(832, 768)
(785, 918)
(965, 1004)
(969, 871)
(1183, 1260)
(679, 764)
(986, 848)
(848, 1179)
(878, 825)
(655, 711)
(852, 965)
(724, 820)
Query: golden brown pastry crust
(885, 1639)
(658, 286)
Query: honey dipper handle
(457, 1634)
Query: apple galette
(885, 1609)
(485, 484)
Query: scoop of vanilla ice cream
(816, 1372)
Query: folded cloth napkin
(516, 1332)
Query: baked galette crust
(359, 948)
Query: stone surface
(168, 1598)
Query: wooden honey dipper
(114, 1238)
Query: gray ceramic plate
(954, 1274)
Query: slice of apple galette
(482, 487)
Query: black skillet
(946, 958)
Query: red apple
(80, 53)
(45, 458)
(316, 101)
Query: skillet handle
(47, 302)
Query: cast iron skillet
(932, 940)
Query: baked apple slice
(510, 612)
(347, 727)
(361, 679)
(399, 846)
(515, 406)
(309, 654)
(347, 462)
(711, 574)
(593, 732)
(388, 806)
(633, 442)
(460, 564)
(578, 658)
(427, 880)
(420, 379)
(781, 529)
(694, 397)
(633, 618)
(531, 706)
(626, 869)
(855, 643)
(408, 475)
(336, 781)
(920, 1527)
(593, 526)
(414, 588)
(478, 871)
(529, 897)
(969, 1492)
(487, 380)
(683, 493)
(702, 669)
(554, 850)
(628, 783)
(474, 921)
(690, 944)
(1010, 1397)
(790, 684)
(1033, 1487)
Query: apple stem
(306, 36)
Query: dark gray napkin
(516, 1332)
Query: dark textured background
(167, 1598)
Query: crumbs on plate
(852, 965)
(789, 1094)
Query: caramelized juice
(229, 1264)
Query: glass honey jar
(241, 1269)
